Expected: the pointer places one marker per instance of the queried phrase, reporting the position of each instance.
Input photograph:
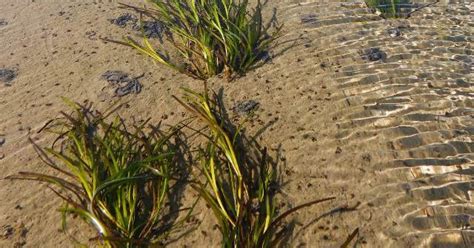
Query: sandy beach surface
(378, 113)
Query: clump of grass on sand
(210, 36)
(238, 185)
(117, 179)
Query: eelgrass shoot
(116, 178)
(210, 36)
(238, 184)
(388, 8)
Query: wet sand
(382, 120)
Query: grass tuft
(210, 36)
(116, 178)
(120, 179)
(238, 184)
(388, 8)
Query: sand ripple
(410, 112)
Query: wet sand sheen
(409, 115)
(390, 128)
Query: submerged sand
(378, 113)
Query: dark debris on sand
(123, 83)
(7, 76)
(151, 29)
(3, 22)
(394, 32)
(124, 19)
(245, 107)
(308, 19)
(373, 54)
(7, 232)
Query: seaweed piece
(245, 107)
(7, 75)
(373, 54)
(123, 83)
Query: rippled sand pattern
(385, 123)
(410, 115)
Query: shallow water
(409, 113)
